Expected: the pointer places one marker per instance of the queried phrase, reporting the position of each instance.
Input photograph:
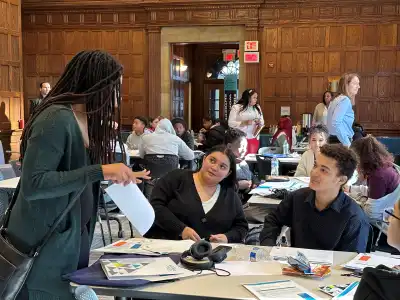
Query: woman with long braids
(66, 150)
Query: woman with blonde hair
(340, 110)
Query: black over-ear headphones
(201, 256)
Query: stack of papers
(282, 289)
(152, 269)
(348, 293)
(364, 260)
(267, 188)
(319, 257)
(150, 247)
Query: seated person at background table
(138, 131)
(165, 141)
(358, 131)
(318, 136)
(154, 122)
(207, 124)
(284, 133)
(382, 283)
(322, 216)
(221, 122)
(377, 169)
(181, 130)
(200, 205)
(236, 140)
(216, 136)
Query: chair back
(264, 166)
(16, 165)
(160, 164)
(374, 208)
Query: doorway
(193, 35)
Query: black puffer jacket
(380, 283)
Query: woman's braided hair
(92, 78)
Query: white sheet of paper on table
(131, 201)
(280, 289)
(321, 257)
(248, 268)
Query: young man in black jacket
(383, 283)
(322, 216)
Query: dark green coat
(54, 170)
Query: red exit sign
(251, 46)
(251, 57)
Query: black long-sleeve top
(343, 226)
(177, 204)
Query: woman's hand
(218, 238)
(120, 173)
(189, 234)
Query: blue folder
(94, 275)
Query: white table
(264, 201)
(214, 287)
(251, 158)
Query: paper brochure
(131, 201)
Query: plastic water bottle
(259, 254)
(253, 254)
(274, 167)
(285, 147)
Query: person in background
(235, 139)
(322, 208)
(44, 89)
(284, 133)
(153, 122)
(181, 130)
(377, 169)
(66, 150)
(382, 283)
(340, 111)
(138, 131)
(321, 110)
(221, 122)
(165, 141)
(247, 116)
(200, 205)
(318, 137)
(207, 124)
(358, 131)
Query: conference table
(230, 287)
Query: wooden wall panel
(302, 43)
(11, 96)
(301, 58)
(54, 49)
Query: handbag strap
(35, 251)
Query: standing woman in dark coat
(66, 150)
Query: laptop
(16, 165)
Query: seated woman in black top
(203, 204)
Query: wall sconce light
(209, 74)
(184, 68)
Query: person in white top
(165, 141)
(318, 136)
(247, 116)
(320, 115)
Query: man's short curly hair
(346, 159)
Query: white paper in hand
(131, 201)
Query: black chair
(158, 165)
(264, 166)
